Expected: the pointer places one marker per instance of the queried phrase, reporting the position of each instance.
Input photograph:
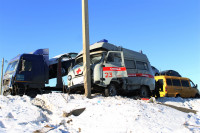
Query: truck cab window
(26, 65)
(11, 66)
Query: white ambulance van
(114, 70)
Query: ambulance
(114, 70)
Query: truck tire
(111, 90)
(32, 92)
(144, 92)
(7, 92)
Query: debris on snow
(45, 113)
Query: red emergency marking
(140, 75)
(114, 68)
(108, 74)
(78, 71)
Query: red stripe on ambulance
(114, 68)
(140, 75)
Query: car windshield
(11, 66)
(73, 55)
(96, 58)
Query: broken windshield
(11, 66)
(94, 59)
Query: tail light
(166, 89)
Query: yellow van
(172, 86)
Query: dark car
(155, 71)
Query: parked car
(170, 73)
(155, 71)
(172, 86)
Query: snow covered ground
(57, 113)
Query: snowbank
(52, 113)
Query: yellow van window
(176, 82)
(192, 84)
(185, 83)
(169, 82)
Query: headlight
(69, 77)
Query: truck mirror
(196, 86)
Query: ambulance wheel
(144, 92)
(111, 90)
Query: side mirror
(196, 86)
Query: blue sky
(167, 31)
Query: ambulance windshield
(94, 59)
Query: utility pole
(2, 76)
(86, 56)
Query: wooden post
(2, 76)
(86, 55)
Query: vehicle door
(132, 80)
(160, 87)
(169, 89)
(177, 88)
(186, 90)
(113, 66)
(143, 76)
(25, 68)
(193, 89)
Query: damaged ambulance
(114, 70)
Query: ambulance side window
(130, 64)
(141, 65)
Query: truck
(114, 70)
(28, 73)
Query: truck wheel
(7, 92)
(144, 92)
(32, 92)
(111, 90)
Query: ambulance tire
(144, 92)
(111, 90)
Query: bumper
(76, 87)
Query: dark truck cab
(28, 73)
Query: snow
(54, 113)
